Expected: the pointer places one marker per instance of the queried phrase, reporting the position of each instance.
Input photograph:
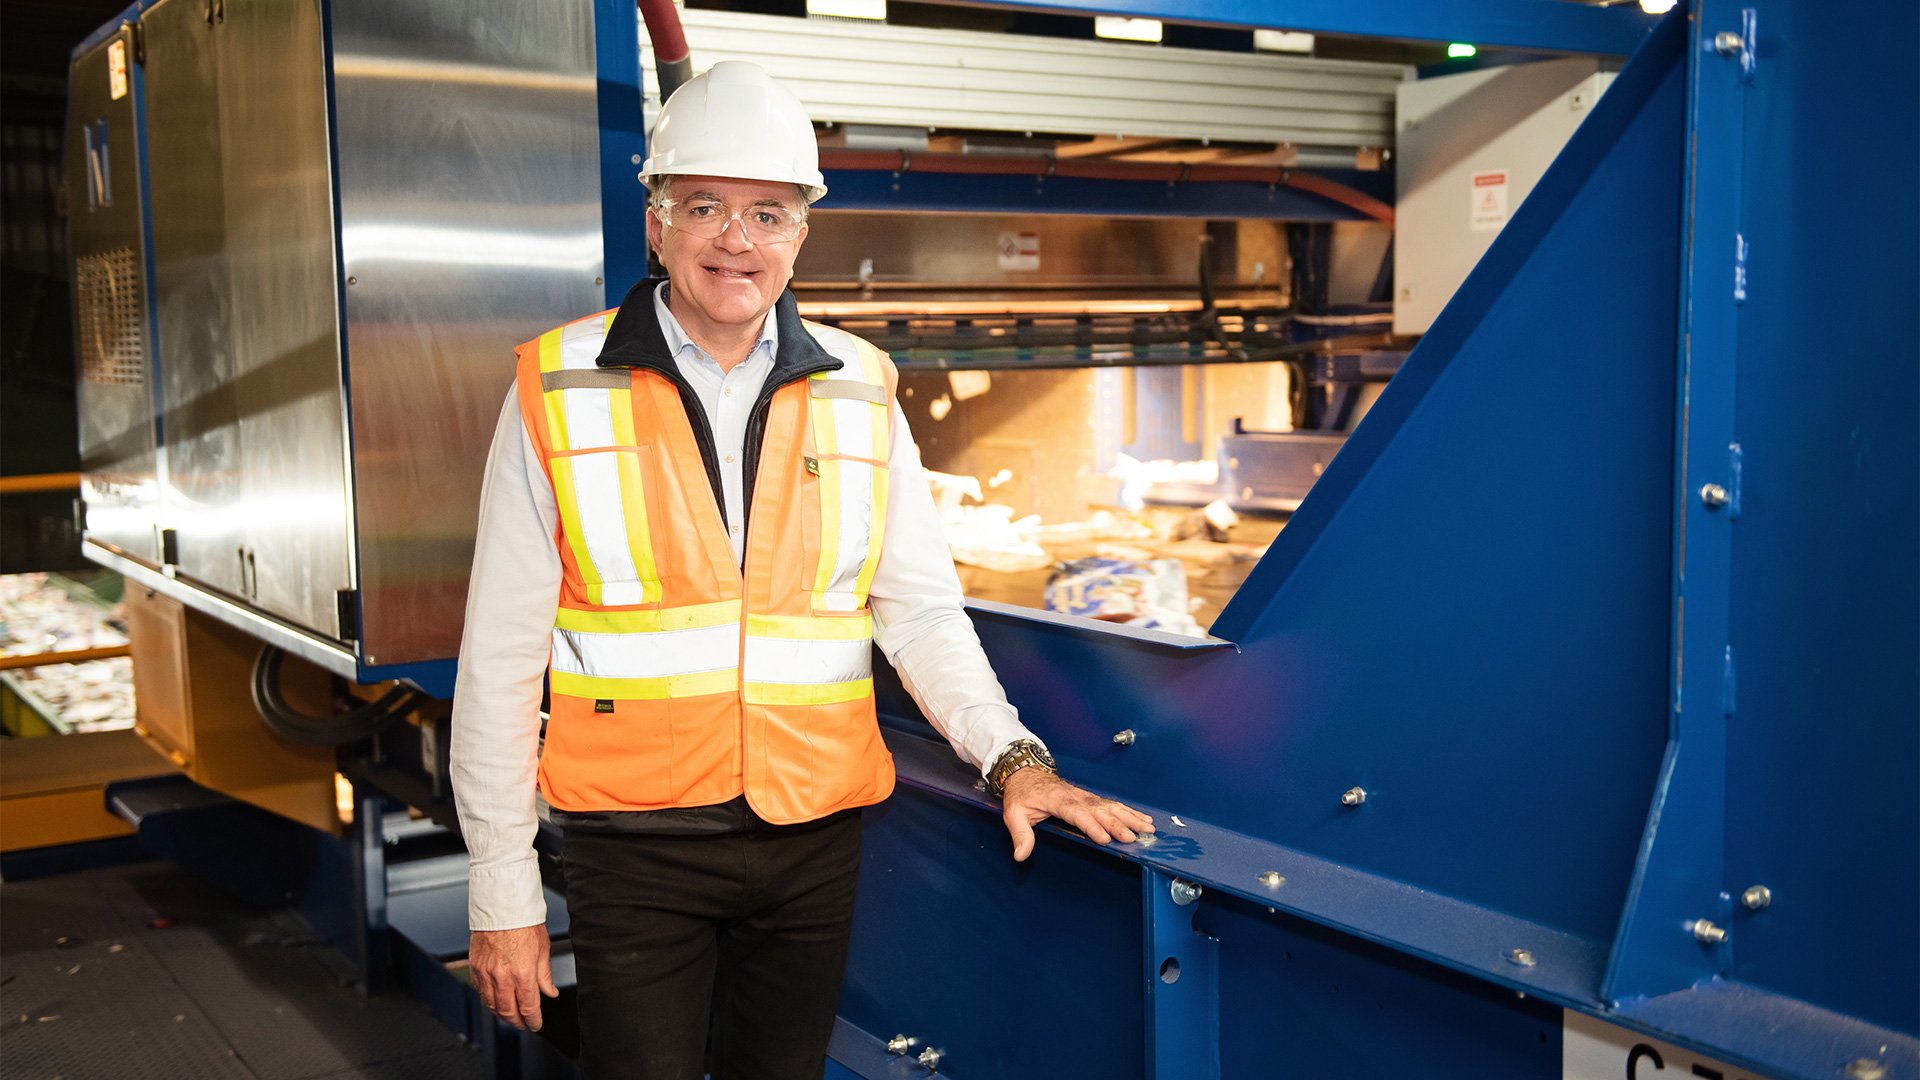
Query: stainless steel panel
(110, 314)
(860, 72)
(192, 292)
(285, 316)
(470, 221)
(928, 255)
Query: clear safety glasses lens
(707, 220)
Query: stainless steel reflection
(930, 256)
(470, 209)
(103, 234)
(192, 295)
(244, 284)
(287, 379)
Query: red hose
(663, 28)
(1099, 169)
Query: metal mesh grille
(112, 326)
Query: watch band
(1019, 754)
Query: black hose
(339, 729)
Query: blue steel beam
(1549, 25)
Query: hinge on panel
(1726, 684)
(1739, 268)
(169, 547)
(1733, 480)
(347, 613)
(1743, 44)
(140, 43)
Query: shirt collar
(678, 342)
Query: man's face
(728, 280)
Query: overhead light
(1282, 41)
(1657, 7)
(849, 9)
(1459, 49)
(1119, 29)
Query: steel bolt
(1353, 797)
(1713, 495)
(931, 1059)
(1866, 1069)
(1184, 892)
(1124, 738)
(1757, 897)
(1272, 879)
(1726, 43)
(1708, 934)
(899, 1044)
(1523, 957)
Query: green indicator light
(1459, 49)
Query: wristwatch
(1019, 754)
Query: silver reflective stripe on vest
(844, 388)
(856, 529)
(597, 379)
(654, 655)
(804, 662)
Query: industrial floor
(144, 971)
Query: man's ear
(654, 231)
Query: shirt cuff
(506, 897)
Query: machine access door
(248, 304)
(110, 308)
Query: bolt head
(1713, 496)
(1523, 957)
(1124, 738)
(1726, 41)
(1353, 797)
(1866, 1069)
(1272, 879)
(1757, 897)
(1184, 892)
(1706, 933)
(899, 1044)
(930, 1058)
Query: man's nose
(733, 236)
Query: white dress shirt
(919, 623)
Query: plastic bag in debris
(1151, 594)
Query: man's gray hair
(658, 195)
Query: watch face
(1044, 758)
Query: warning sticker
(117, 69)
(1488, 209)
(1019, 251)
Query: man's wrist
(1021, 754)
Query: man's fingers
(1022, 834)
(546, 979)
(527, 998)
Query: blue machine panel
(1822, 806)
(960, 947)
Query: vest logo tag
(813, 465)
(603, 705)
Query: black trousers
(743, 934)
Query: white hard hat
(733, 120)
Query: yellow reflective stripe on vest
(600, 496)
(692, 616)
(851, 431)
(793, 694)
(672, 686)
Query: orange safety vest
(677, 677)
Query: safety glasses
(766, 223)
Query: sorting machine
(1568, 726)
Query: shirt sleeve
(511, 600)
(920, 622)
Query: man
(700, 514)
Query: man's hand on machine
(511, 970)
(1034, 795)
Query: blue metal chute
(1476, 623)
